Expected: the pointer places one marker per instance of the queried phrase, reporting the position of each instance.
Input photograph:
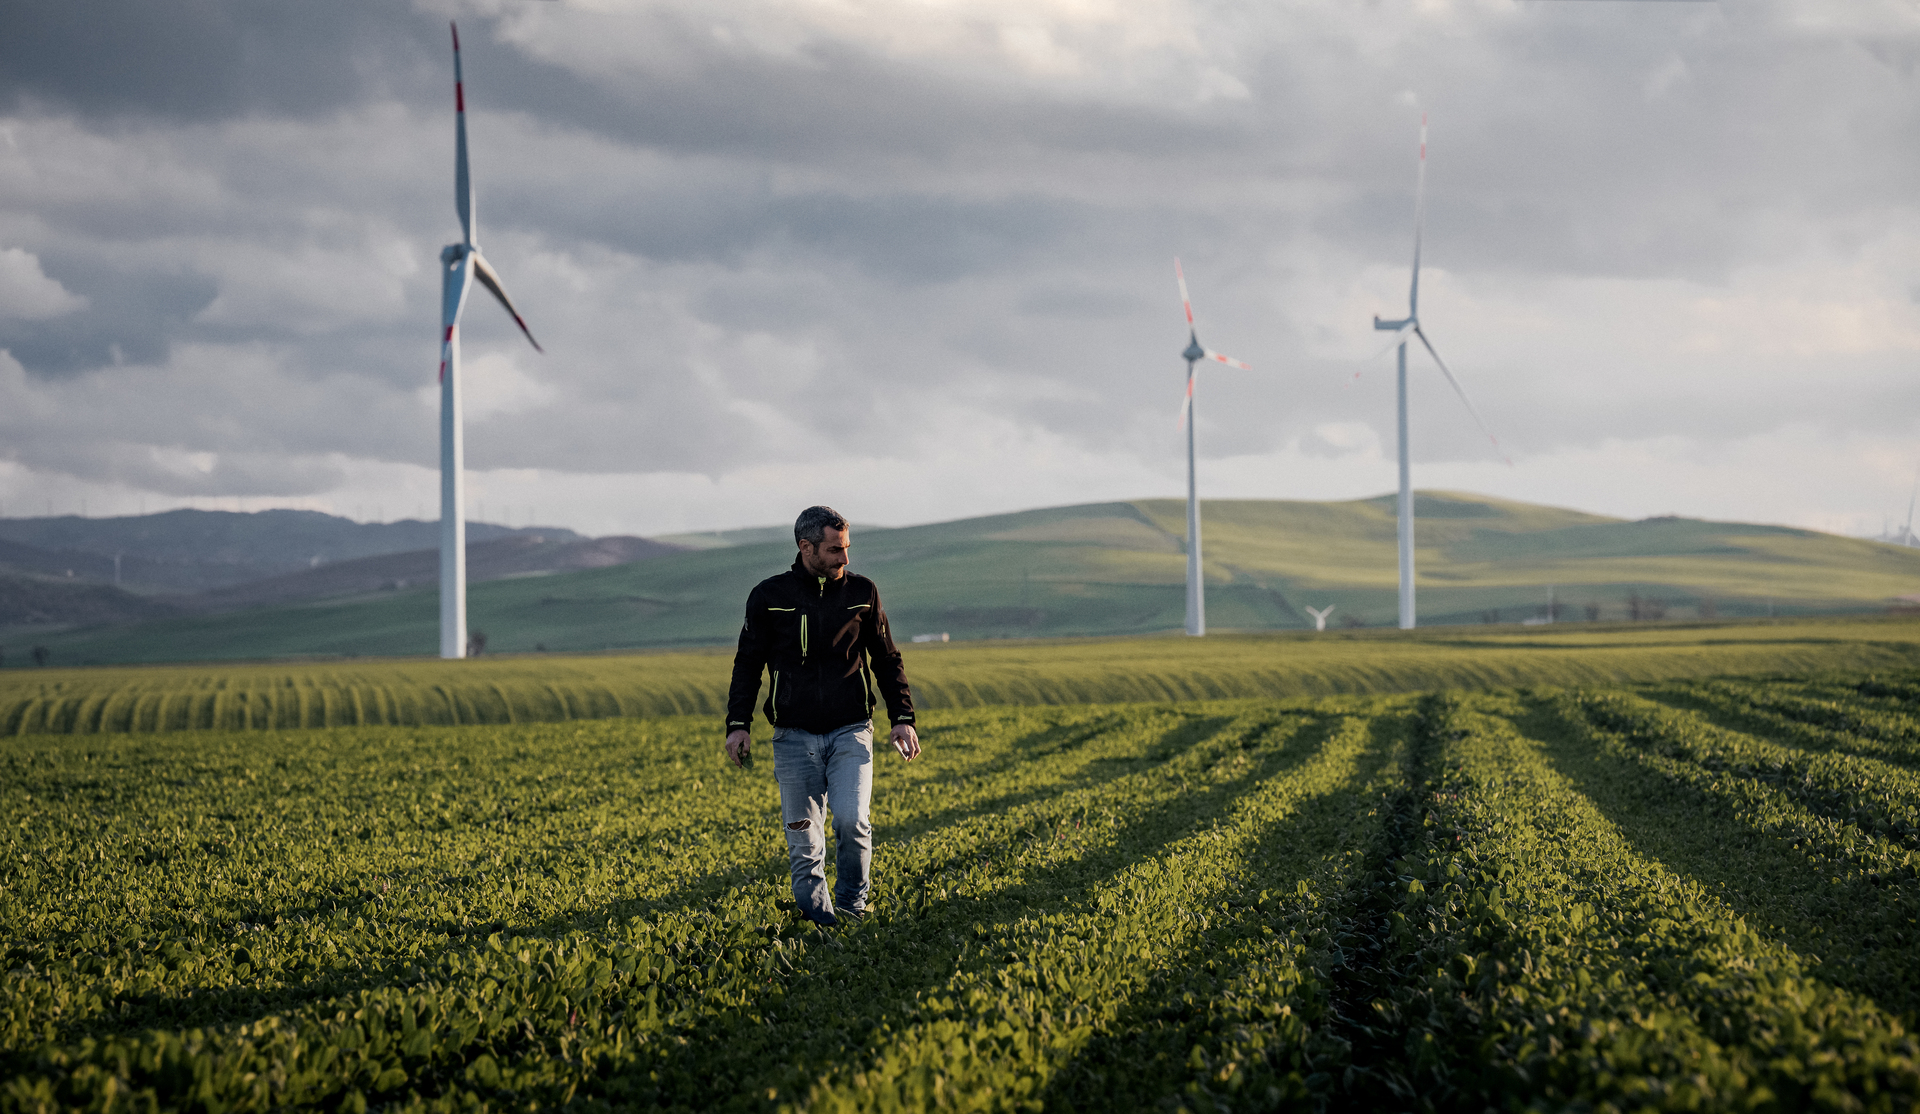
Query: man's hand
(906, 740)
(739, 746)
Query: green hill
(1104, 569)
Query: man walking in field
(819, 629)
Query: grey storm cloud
(188, 60)
(129, 316)
(739, 225)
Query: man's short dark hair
(814, 522)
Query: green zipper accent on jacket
(783, 609)
(803, 639)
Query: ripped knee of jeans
(799, 825)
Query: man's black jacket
(815, 634)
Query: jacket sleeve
(889, 671)
(749, 661)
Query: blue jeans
(817, 774)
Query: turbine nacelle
(1193, 351)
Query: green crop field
(1692, 893)
(547, 689)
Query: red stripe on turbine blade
(447, 336)
(529, 334)
(460, 103)
(443, 371)
(456, 35)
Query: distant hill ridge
(70, 571)
(193, 551)
(1107, 569)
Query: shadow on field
(1052, 741)
(1858, 934)
(1145, 1051)
(1728, 720)
(854, 990)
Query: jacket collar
(800, 571)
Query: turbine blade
(1227, 360)
(1186, 403)
(1399, 338)
(1185, 302)
(1419, 221)
(462, 184)
(491, 281)
(1462, 392)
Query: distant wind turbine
(1320, 616)
(1906, 535)
(1410, 324)
(1196, 590)
(460, 264)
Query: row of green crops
(270, 697)
(1528, 899)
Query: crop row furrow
(1843, 898)
(936, 892)
(1803, 721)
(1123, 987)
(1880, 798)
(1544, 962)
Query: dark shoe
(827, 920)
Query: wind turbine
(1196, 590)
(1906, 533)
(1410, 324)
(460, 264)
(1320, 616)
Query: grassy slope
(1106, 569)
(953, 675)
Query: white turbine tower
(1906, 533)
(460, 264)
(1411, 325)
(1196, 590)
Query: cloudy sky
(915, 257)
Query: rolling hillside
(1106, 569)
(186, 551)
(511, 556)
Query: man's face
(829, 556)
